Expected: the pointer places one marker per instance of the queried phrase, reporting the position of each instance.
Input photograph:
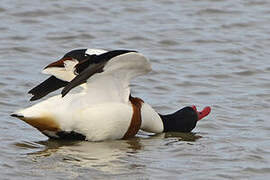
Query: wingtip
(31, 91)
(33, 98)
(64, 92)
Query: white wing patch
(112, 85)
(95, 51)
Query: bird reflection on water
(108, 156)
(183, 136)
(116, 157)
(104, 156)
(49, 146)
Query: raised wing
(109, 77)
(49, 85)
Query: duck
(104, 109)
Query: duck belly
(102, 121)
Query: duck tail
(42, 122)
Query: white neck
(151, 121)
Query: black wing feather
(49, 85)
(82, 78)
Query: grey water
(212, 52)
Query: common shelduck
(104, 109)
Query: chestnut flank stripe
(136, 120)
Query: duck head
(183, 120)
